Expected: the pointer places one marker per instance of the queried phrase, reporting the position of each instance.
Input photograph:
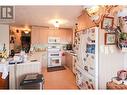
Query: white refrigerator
(86, 63)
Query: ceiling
(42, 15)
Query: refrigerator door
(87, 56)
(88, 82)
(78, 76)
(84, 80)
(89, 50)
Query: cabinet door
(35, 35)
(62, 34)
(69, 35)
(66, 60)
(43, 35)
(69, 59)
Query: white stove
(54, 52)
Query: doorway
(25, 41)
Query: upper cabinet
(39, 35)
(43, 35)
(84, 22)
(35, 35)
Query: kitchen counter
(17, 71)
(69, 58)
(71, 52)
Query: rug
(57, 68)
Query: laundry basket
(32, 81)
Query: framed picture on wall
(107, 22)
(110, 38)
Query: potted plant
(123, 36)
(122, 40)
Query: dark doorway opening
(26, 41)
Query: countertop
(71, 52)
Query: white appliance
(54, 61)
(86, 47)
(53, 40)
(54, 52)
(84, 80)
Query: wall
(109, 63)
(4, 38)
(4, 35)
(39, 35)
(17, 36)
(125, 60)
(111, 59)
(84, 21)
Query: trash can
(32, 81)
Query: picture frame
(107, 22)
(110, 38)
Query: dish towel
(4, 69)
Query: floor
(63, 79)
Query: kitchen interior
(63, 47)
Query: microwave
(53, 40)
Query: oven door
(54, 61)
(54, 54)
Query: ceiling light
(56, 24)
(26, 29)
